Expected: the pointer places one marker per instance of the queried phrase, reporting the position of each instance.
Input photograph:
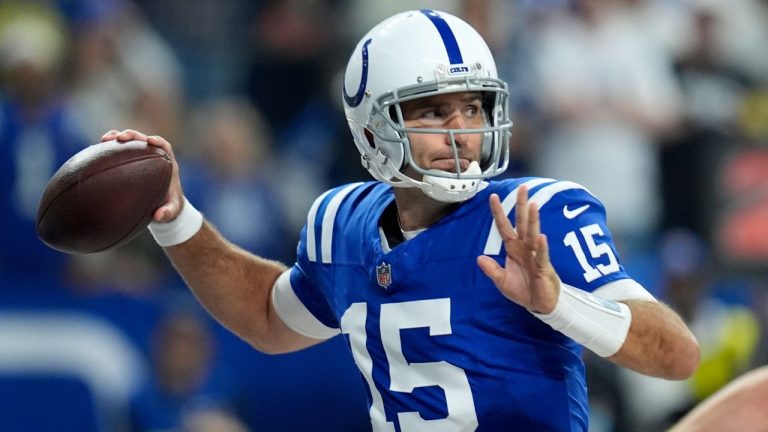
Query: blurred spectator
(608, 94)
(712, 93)
(38, 133)
(185, 382)
(211, 39)
(529, 21)
(235, 179)
(122, 74)
(296, 55)
(742, 34)
(293, 57)
(667, 22)
(362, 15)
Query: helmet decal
(355, 100)
(449, 39)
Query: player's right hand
(527, 277)
(174, 199)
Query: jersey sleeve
(581, 246)
(298, 296)
(301, 307)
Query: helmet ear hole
(369, 137)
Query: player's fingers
(534, 227)
(500, 218)
(109, 136)
(542, 252)
(521, 211)
(130, 135)
(161, 142)
(492, 269)
(168, 211)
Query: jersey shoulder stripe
(322, 218)
(311, 246)
(545, 194)
(493, 242)
(540, 197)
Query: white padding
(598, 324)
(179, 230)
(294, 314)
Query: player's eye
(430, 117)
(431, 114)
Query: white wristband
(179, 230)
(596, 323)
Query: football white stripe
(493, 243)
(329, 219)
(311, 247)
(293, 312)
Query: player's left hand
(527, 277)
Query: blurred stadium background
(659, 107)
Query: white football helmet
(418, 54)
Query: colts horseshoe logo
(355, 100)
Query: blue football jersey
(439, 347)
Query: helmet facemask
(387, 130)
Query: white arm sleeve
(294, 314)
(599, 324)
(624, 289)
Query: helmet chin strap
(450, 189)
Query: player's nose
(455, 136)
(455, 121)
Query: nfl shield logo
(384, 274)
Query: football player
(457, 318)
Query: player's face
(454, 111)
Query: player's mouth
(449, 164)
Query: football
(103, 196)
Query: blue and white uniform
(439, 347)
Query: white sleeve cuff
(294, 314)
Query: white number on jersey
(595, 250)
(405, 377)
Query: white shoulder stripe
(294, 314)
(493, 243)
(547, 192)
(311, 248)
(329, 218)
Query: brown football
(103, 196)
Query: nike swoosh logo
(570, 214)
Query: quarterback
(465, 301)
